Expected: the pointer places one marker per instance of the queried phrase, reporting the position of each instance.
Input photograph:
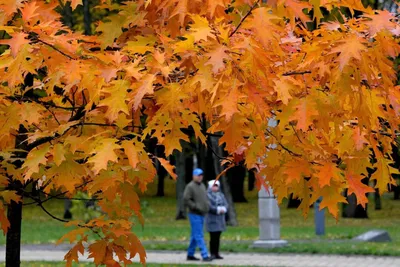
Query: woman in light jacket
(215, 220)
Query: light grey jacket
(215, 222)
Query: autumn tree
(72, 106)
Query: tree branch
(244, 18)
(32, 100)
(51, 215)
(57, 196)
(282, 146)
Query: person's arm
(188, 199)
(212, 206)
(225, 203)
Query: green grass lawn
(162, 231)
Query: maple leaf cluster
(303, 108)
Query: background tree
(77, 111)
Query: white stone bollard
(269, 221)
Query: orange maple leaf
(75, 3)
(98, 251)
(29, 11)
(16, 42)
(358, 188)
(327, 172)
(304, 114)
(145, 87)
(72, 254)
(295, 9)
(380, 21)
(331, 196)
(217, 57)
(168, 167)
(349, 48)
(296, 170)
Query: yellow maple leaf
(58, 152)
(116, 99)
(34, 159)
(383, 174)
(131, 151)
(173, 139)
(9, 196)
(66, 175)
(104, 152)
(200, 28)
(331, 196)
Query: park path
(51, 253)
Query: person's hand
(221, 210)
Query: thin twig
(297, 135)
(296, 73)
(55, 48)
(54, 115)
(244, 18)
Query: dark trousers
(214, 243)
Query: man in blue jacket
(195, 198)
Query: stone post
(269, 221)
(319, 218)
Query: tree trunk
(251, 181)
(66, 14)
(13, 242)
(377, 198)
(210, 172)
(231, 220)
(352, 210)
(396, 190)
(87, 17)
(188, 167)
(236, 176)
(14, 210)
(161, 172)
(180, 185)
(293, 203)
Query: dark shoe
(218, 257)
(192, 258)
(207, 259)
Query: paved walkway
(51, 253)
